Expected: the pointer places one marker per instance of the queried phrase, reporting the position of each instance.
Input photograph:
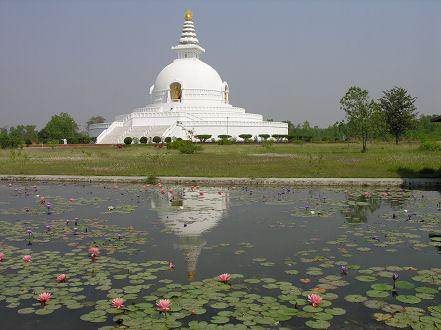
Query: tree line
(392, 116)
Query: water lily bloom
(314, 299)
(171, 266)
(197, 187)
(75, 230)
(119, 236)
(117, 302)
(159, 185)
(224, 277)
(143, 187)
(27, 258)
(164, 305)
(171, 191)
(115, 187)
(10, 185)
(384, 194)
(93, 251)
(71, 200)
(2, 255)
(344, 268)
(219, 192)
(201, 193)
(366, 194)
(345, 192)
(48, 227)
(42, 199)
(395, 276)
(110, 208)
(394, 216)
(163, 191)
(67, 221)
(234, 188)
(375, 237)
(61, 278)
(44, 297)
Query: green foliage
(268, 145)
(430, 146)
(184, 146)
(264, 136)
(4, 141)
(157, 139)
(203, 137)
(128, 140)
(224, 136)
(95, 120)
(167, 139)
(245, 137)
(60, 126)
(222, 142)
(400, 111)
(364, 116)
(143, 140)
(28, 142)
(279, 137)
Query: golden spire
(188, 15)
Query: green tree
(95, 120)
(400, 111)
(203, 137)
(264, 136)
(61, 126)
(128, 140)
(143, 140)
(363, 115)
(245, 137)
(156, 139)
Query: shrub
(430, 146)
(224, 136)
(4, 141)
(245, 137)
(167, 139)
(224, 142)
(157, 139)
(28, 142)
(264, 136)
(143, 140)
(203, 138)
(128, 140)
(184, 146)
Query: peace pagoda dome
(188, 98)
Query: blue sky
(287, 60)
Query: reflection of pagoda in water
(188, 217)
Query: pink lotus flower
(366, 194)
(224, 277)
(44, 297)
(197, 187)
(384, 194)
(42, 199)
(220, 192)
(117, 302)
(234, 188)
(71, 199)
(143, 187)
(2, 255)
(61, 278)
(346, 192)
(171, 266)
(171, 191)
(93, 252)
(192, 187)
(164, 305)
(115, 187)
(314, 299)
(10, 185)
(27, 258)
(201, 193)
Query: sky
(287, 60)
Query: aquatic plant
(163, 305)
(44, 297)
(314, 299)
(61, 278)
(117, 302)
(224, 278)
(27, 258)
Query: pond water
(279, 245)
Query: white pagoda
(188, 98)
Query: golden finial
(188, 15)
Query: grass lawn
(237, 160)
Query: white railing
(168, 130)
(108, 130)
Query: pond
(321, 258)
